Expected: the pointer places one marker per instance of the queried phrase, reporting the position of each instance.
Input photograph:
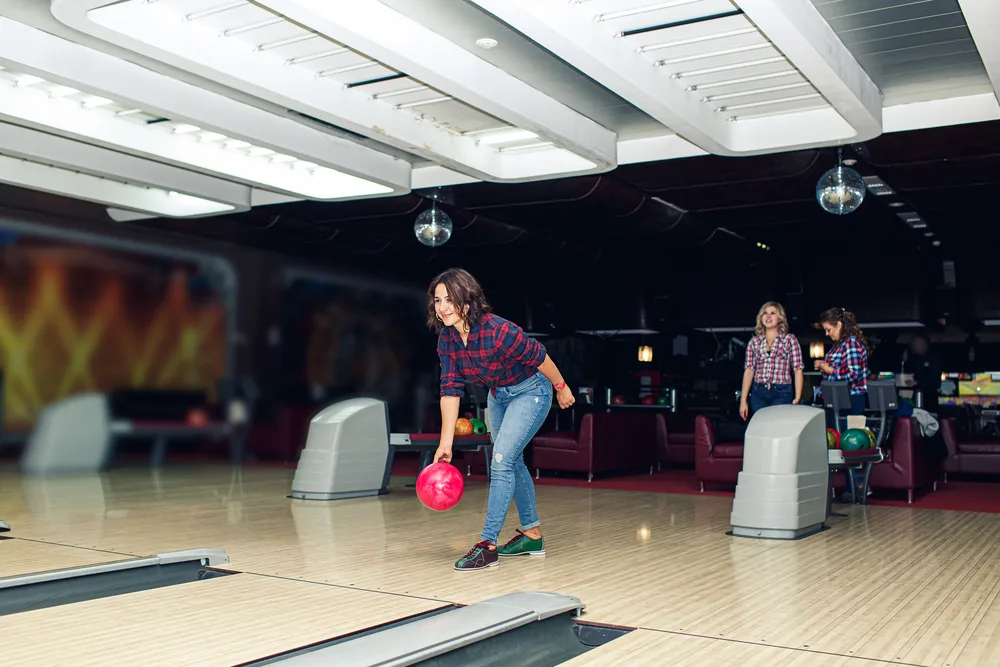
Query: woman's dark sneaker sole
(478, 568)
(535, 554)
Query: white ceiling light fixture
(875, 184)
(78, 185)
(44, 162)
(983, 19)
(657, 55)
(181, 143)
(131, 108)
(400, 49)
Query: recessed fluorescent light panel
(403, 84)
(101, 190)
(877, 186)
(913, 220)
(733, 77)
(30, 99)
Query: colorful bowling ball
(832, 438)
(440, 486)
(662, 400)
(197, 418)
(618, 400)
(478, 426)
(854, 439)
(648, 400)
(871, 436)
(463, 426)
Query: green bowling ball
(854, 439)
(478, 426)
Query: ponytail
(850, 325)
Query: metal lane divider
(425, 638)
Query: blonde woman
(773, 357)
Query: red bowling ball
(440, 486)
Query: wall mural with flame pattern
(77, 318)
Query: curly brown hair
(465, 292)
(850, 328)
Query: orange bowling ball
(463, 427)
(197, 418)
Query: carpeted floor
(957, 495)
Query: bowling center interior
(727, 250)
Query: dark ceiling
(685, 231)
(948, 175)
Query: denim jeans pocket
(535, 385)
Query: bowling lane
(24, 557)
(646, 648)
(217, 622)
(929, 595)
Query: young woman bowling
(474, 345)
(773, 355)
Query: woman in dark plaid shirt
(847, 361)
(773, 355)
(474, 345)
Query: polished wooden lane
(217, 622)
(897, 584)
(650, 648)
(24, 557)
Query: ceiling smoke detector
(486, 43)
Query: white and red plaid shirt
(776, 366)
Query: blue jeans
(762, 397)
(515, 415)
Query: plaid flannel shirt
(498, 354)
(776, 366)
(849, 361)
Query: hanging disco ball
(840, 191)
(432, 227)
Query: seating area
(906, 467)
(969, 452)
(619, 444)
(675, 438)
(605, 442)
(717, 460)
(700, 452)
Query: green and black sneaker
(479, 557)
(522, 545)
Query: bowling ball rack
(427, 443)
